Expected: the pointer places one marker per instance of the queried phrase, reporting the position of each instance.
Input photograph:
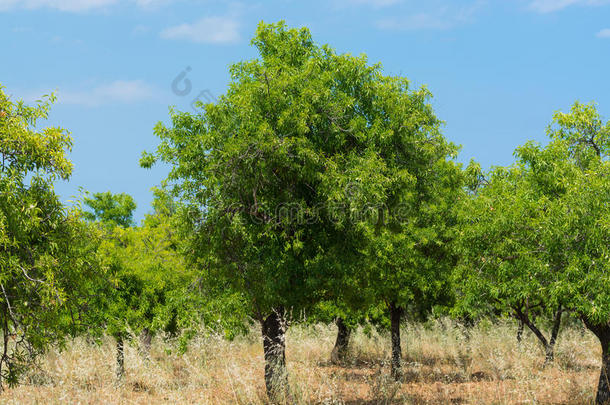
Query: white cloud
(73, 5)
(206, 30)
(62, 5)
(119, 91)
(372, 3)
(605, 33)
(441, 18)
(549, 6)
(151, 3)
(417, 21)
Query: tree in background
(410, 254)
(111, 209)
(506, 264)
(114, 216)
(580, 225)
(347, 316)
(345, 299)
(150, 280)
(397, 205)
(49, 269)
(537, 236)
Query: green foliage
(150, 285)
(534, 236)
(285, 177)
(581, 222)
(111, 209)
(502, 262)
(329, 311)
(583, 131)
(148, 276)
(49, 269)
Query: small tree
(114, 215)
(581, 224)
(346, 299)
(49, 271)
(505, 262)
(150, 280)
(554, 221)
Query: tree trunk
(603, 387)
(145, 342)
(520, 332)
(120, 358)
(274, 347)
(5, 337)
(340, 350)
(395, 315)
(548, 345)
(550, 354)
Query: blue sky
(497, 69)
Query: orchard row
(237, 233)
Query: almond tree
(268, 171)
(149, 281)
(539, 232)
(505, 262)
(581, 225)
(49, 269)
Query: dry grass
(442, 366)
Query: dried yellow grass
(441, 366)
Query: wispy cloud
(119, 91)
(206, 30)
(152, 3)
(549, 6)
(62, 5)
(74, 6)
(116, 92)
(605, 33)
(371, 3)
(441, 18)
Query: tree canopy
(49, 268)
(535, 235)
(285, 170)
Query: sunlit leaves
(49, 268)
(290, 174)
(536, 234)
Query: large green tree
(280, 175)
(49, 268)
